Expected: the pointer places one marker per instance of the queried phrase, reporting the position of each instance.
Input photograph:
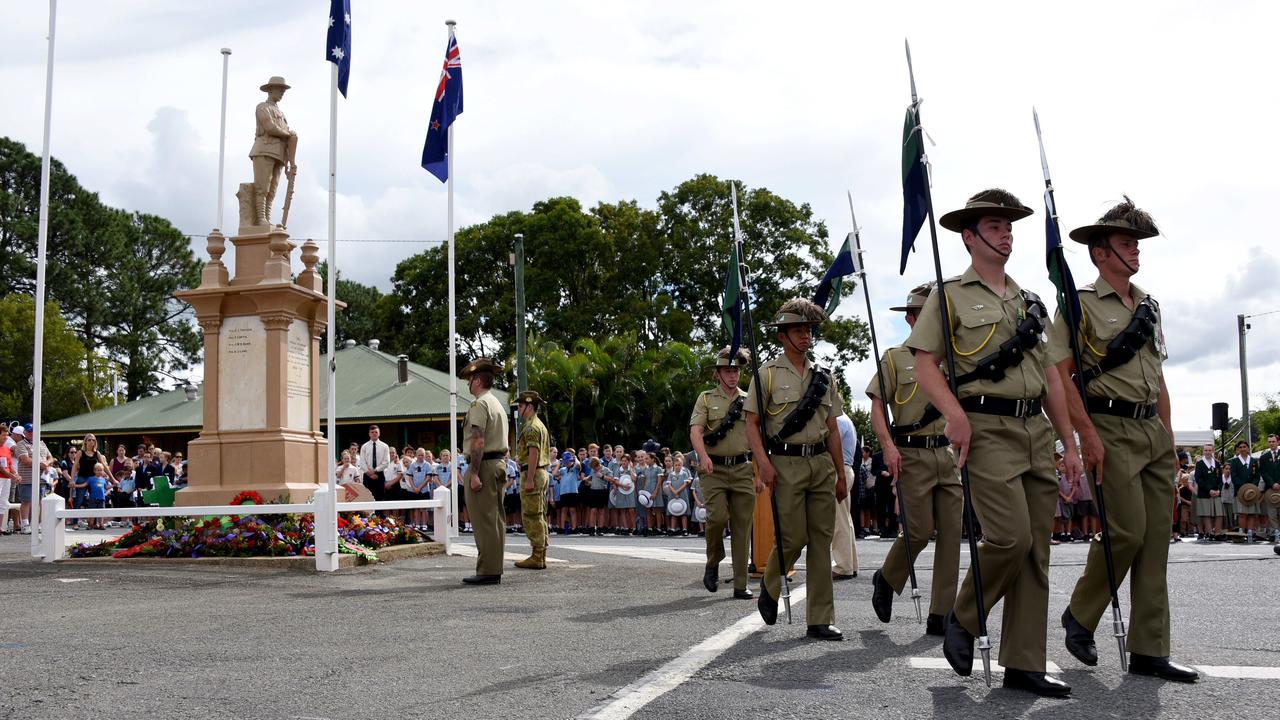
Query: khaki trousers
(844, 548)
(930, 487)
(730, 494)
(266, 177)
(1137, 481)
(533, 509)
(487, 520)
(1015, 491)
(806, 495)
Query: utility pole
(1242, 327)
(522, 369)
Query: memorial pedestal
(262, 376)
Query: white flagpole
(331, 434)
(37, 383)
(222, 135)
(454, 449)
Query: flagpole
(744, 288)
(454, 524)
(331, 317)
(222, 135)
(884, 403)
(970, 522)
(37, 385)
(1069, 311)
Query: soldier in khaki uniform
(532, 454)
(486, 470)
(718, 433)
(801, 405)
(270, 148)
(1130, 436)
(998, 427)
(919, 456)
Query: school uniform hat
(480, 364)
(566, 457)
(1273, 498)
(625, 485)
(997, 202)
(798, 311)
(275, 81)
(677, 507)
(1124, 218)
(644, 498)
(700, 514)
(532, 397)
(1249, 494)
(724, 361)
(915, 298)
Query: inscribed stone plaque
(298, 377)
(242, 374)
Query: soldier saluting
(1128, 437)
(718, 433)
(998, 426)
(801, 405)
(918, 455)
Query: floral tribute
(286, 535)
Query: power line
(359, 240)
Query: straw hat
(644, 499)
(1249, 494)
(677, 507)
(997, 202)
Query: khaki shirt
(898, 367)
(783, 388)
(981, 320)
(533, 435)
(1103, 315)
(272, 135)
(709, 409)
(487, 414)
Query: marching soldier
(486, 473)
(1130, 437)
(532, 456)
(801, 405)
(918, 455)
(718, 433)
(998, 427)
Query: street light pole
(1242, 327)
(522, 367)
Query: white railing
(53, 531)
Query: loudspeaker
(1220, 419)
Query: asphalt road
(407, 640)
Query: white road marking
(1240, 672)
(625, 702)
(470, 551)
(71, 580)
(645, 553)
(930, 663)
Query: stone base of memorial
(262, 333)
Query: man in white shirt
(375, 456)
(844, 548)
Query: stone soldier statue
(486, 476)
(919, 457)
(532, 455)
(999, 429)
(270, 150)
(800, 466)
(718, 433)
(1130, 436)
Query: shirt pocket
(785, 395)
(974, 329)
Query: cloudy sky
(1170, 102)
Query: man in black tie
(1269, 482)
(375, 456)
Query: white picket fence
(53, 531)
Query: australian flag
(448, 105)
(731, 303)
(915, 183)
(337, 46)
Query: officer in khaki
(532, 454)
(1128, 425)
(999, 429)
(718, 433)
(487, 470)
(919, 455)
(801, 465)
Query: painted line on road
(930, 663)
(1240, 672)
(470, 551)
(627, 701)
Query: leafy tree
(67, 390)
(362, 319)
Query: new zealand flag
(448, 105)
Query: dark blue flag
(1059, 270)
(731, 303)
(448, 105)
(915, 178)
(337, 45)
(833, 280)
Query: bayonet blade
(910, 71)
